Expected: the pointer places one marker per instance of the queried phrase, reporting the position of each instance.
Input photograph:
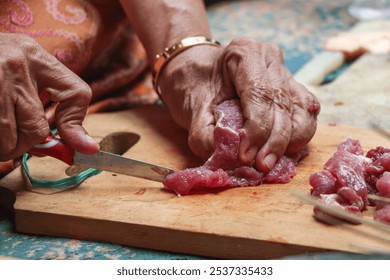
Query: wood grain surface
(260, 222)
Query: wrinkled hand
(280, 114)
(28, 76)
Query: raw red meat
(349, 176)
(383, 214)
(383, 185)
(224, 168)
(324, 182)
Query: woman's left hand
(280, 114)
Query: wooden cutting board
(243, 223)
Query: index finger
(251, 80)
(72, 95)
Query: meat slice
(375, 170)
(343, 174)
(349, 176)
(224, 169)
(382, 212)
(383, 185)
(322, 182)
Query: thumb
(69, 117)
(77, 137)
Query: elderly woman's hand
(29, 77)
(280, 114)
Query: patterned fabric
(92, 38)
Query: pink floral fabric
(94, 40)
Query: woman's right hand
(29, 77)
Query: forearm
(162, 23)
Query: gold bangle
(169, 53)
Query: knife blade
(116, 143)
(101, 160)
(122, 165)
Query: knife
(101, 160)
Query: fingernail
(251, 153)
(270, 160)
(91, 140)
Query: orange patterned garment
(94, 40)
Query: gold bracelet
(169, 53)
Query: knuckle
(239, 47)
(78, 91)
(24, 42)
(281, 99)
(243, 42)
(13, 59)
(36, 129)
(86, 91)
(28, 42)
(258, 94)
(32, 48)
(273, 47)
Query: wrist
(162, 59)
(162, 23)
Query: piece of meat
(336, 201)
(224, 168)
(283, 171)
(322, 182)
(383, 185)
(376, 169)
(348, 177)
(383, 214)
(345, 169)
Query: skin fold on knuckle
(257, 94)
(282, 100)
(14, 66)
(36, 128)
(236, 53)
(275, 52)
(258, 111)
(72, 89)
(69, 115)
(30, 46)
